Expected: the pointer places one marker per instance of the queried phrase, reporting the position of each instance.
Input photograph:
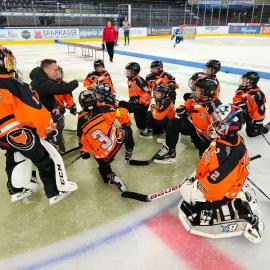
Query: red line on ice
(194, 250)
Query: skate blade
(165, 161)
(22, 195)
(69, 187)
(146, 137)
(160, 140)
(58, 198)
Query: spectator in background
(126, 28)
(109, 36)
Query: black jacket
(47, 88)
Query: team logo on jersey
(21, 139)
(120, 135)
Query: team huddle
(216, 200)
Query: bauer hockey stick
(157, 195)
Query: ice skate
(56, 199)
(115, 180)
(165, 155)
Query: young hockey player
(98, 135)
(100, 75)
(139, 94)
(24, 124)
(252, 100)
(178, 36)
(160, 114)
(216, 202)
(192, 119)
(64, 102)
(158, 76)
(212, 67)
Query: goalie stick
(71, 150)
(73, 161)
(157, 195)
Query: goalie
(217, 203)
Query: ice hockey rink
(95, 228)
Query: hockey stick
(265, 138)
(73, 161)
(258, 188)
(71, 150)
(141, 162)
(154, 196)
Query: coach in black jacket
(44, 82)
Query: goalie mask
(227, 119)
(7, 61)
(102, 92)
(87, 100)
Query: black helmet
(98, 63)
(194, 78)
(134, 68)
(157, 64)
(252, 79)
(60, 73)
(214, 64)
(207, 87)
(87, 100)
(161, 89)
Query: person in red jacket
(109, 36)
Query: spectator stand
(87, 51)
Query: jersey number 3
(102, 138)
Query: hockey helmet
(87, 100)
(102, 92)
(98, 63)
(156, 64)
(60, 73)
(194, 77)
(227, 119)
(160, 92)
(215, 65)
(249, 80)
(132, 69)
(207, 87)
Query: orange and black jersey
(64, 101)
(19, 107)
(97, 133)
(254, 100)
(163, 108)
(163, 78)
(138, 91)
(95, 78)
(217, 92)
(222, 169)
(200, 114)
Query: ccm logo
(60, 173)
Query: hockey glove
(172, 95)
(73, 109)
(103, 46)
(182, 112)
(85, 155)
(123, 104)
(172, 86)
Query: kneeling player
(98, 135)
(178, 35)
(160, 114)
(217, 203)
(252, 100)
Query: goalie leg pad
(62, 183)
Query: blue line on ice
(226, 69)
(80, 250)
